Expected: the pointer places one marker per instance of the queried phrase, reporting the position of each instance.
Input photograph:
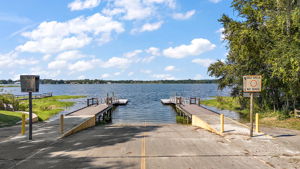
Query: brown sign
(29, 83)
(252, 83)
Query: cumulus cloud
(196, 47)
(105, 75)
(204, 62)
(146, 71)
(153, 51)
(184, 16)
(130, 73)
(84, 65)
(136, 9)
(12, 59)
(221, 32)
(169, 68)
(198, 77)
(57, 64)
(51, 37)
(83, 4)
(163, 76)
(148, 27)
(70, 55)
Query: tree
(265, 40)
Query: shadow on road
(87, 149)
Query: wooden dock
(96, 111)
(197, 115)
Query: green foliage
(8, 118)
(265, 40)
(46, 107)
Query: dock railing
(34, 96)
(185, 100)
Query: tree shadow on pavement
(98, 147)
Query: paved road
(152, 147)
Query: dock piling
(222, 123)
(23, 124)
(256, 123)
(61, 124)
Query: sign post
(251, 85)
(30, 83)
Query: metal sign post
(251, 85)
(30, 83)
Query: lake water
(144, 99)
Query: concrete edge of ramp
(198, 122)
(91, 122)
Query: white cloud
(164, 76)
(84, 65)
(130, 73)
(148, 27)
(169, 68)
(46, 57)
(204, 62)
(119, 62)
(57, 64)
(147, 59)
(146, 71)
(81, 77)
(12, 59)
(215, 1)
(221, 32)
(83, 4)
(135, 9)
(153, 51)
(51, 37)
(170, 3)
(184, 16)
(105, 75)
(197, 47)
(198, 77)
(70, 55)
(44, 73)
(117, 73)
(133, 53)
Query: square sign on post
(29, 83)
(252, 83)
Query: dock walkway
(205, 118)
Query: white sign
(252, 83)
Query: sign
(252, 83)
(29, 83)
(248, 94)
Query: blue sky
(111, 39)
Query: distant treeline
(98, 81)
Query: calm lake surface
(144, 99)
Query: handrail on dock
(34, 96)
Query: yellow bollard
(256, 123)
(222, 123)
(61, 124)
(23, 124)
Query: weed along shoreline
(44, 108)
(267, 118)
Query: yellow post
(23, 124)
(61, 124)
(222, 123)
(256, 123)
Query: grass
(267, 117)
(46, 107)
(9, 86)
(9, 118)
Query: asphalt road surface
(149, 146)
